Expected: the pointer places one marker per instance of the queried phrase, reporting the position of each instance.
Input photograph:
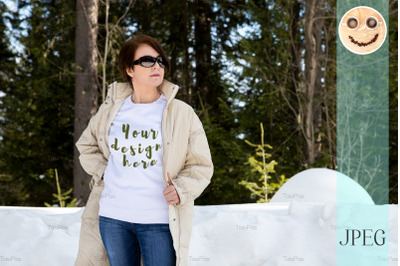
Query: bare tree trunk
(86, 88)
(312, 75)
(306, 97)
(295, 50)
(104, 61)
(203, 52)
(294, 67)
(107, 44)
(327, 101)
(188, 84)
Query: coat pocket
(92, 206)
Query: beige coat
(186, 156)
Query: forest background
(238, 63)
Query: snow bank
(39, 236)
(296, 233)
(321, 185)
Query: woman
(149, 160)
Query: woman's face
(143, 77)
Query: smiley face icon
(362, 30)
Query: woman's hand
(170, 194)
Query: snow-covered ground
(39, 236)
(303, 224)
(296, 233)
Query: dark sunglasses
(149, 61)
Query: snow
(291, 230)
(320, 185)
(243, 234)
(275, 234)
(39, 236)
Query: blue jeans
(126, 242)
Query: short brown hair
(128, 50)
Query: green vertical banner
(363, 131)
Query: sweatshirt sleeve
(198, 170)
(91, 157)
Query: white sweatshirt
(133, 179)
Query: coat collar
(119, 91)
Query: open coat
(186, 156)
